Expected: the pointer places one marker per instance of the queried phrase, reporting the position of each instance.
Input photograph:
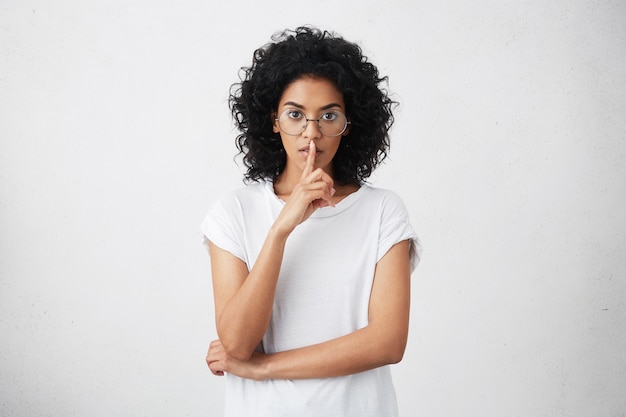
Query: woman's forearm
(365, 349)
(354, 353)
(244, 318)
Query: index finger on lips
(310, 160)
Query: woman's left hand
(219, 363)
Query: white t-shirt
(322, 293)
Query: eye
(329, 116)
(294, 114)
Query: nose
(312, 129)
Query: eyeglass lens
(293, 122)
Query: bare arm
(381, 342)
(244, 299)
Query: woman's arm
(244, 299)
(381, 342)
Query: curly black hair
(308, 51)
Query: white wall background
(509, 150)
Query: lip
(305, 152)
(306, 149)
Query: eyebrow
(300, 106)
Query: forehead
(311, 93)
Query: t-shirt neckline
(340, 207)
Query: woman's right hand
(313, 191)
(220, 362)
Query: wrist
(278, 233)
(261, 367)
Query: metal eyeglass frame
(306, 123)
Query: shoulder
(234, 205)
(242, 196)
(386, 198)
(380, 193)
(247, 191)
(395, 224)
(230, 211)
(386, 204)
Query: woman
(310, 266)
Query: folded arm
(244, 299)
(381, 342)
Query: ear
(347, 131)
(275, 127)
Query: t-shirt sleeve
(222, 229)
(395, 227)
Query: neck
(285, 183)
(290, 177)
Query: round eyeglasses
(331, 123)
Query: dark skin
(244, 298)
